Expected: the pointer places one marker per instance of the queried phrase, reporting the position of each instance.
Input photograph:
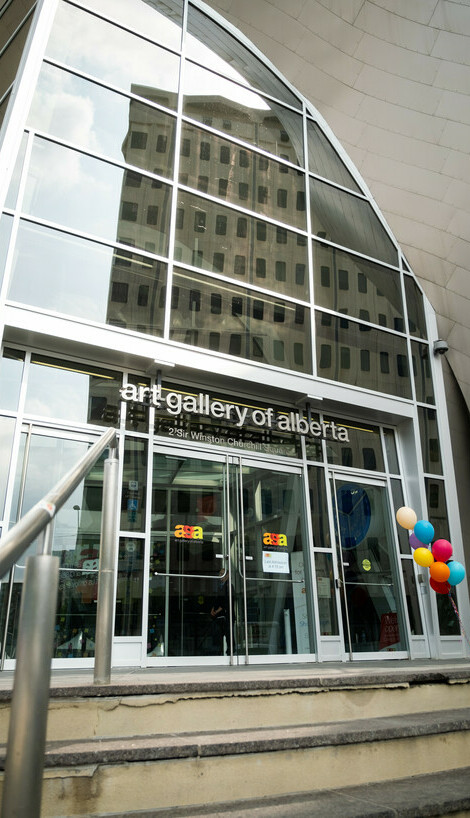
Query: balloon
(414, 542)
(442, 550)
(423, 557)
(424, 531)
(439, 571)
(439, 587)
(406, 517)
(457, 572)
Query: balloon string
(458, 618)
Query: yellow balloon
(406, 517)
(423, 557)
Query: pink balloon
(414, 542)
(441, 550)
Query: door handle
(338, 582)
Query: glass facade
(174, 197)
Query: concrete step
(196, 769)
(424, 796)
(157, 707)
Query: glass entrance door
(228, 566)
(369, 579)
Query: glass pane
(126, 61)
(276, 563)
(137, 414)
(12, 194)
(87, 280)
(63, 389)
(221, 240)
(422, 372)
(415, 305)
(101, 121)
(370, 570)
(187, 505)
(10, 59)
(341, 345)
(437, 508)
(391, 449)
(219, 317)
(223, 169)
(77, 543)
(129, 590)
(318, 507)
(328, 617)
(156, 19)
(11, 372)
(363, 450)
(7, 429)
(12, 16)
(181, 417)
(227, 106)
(350, 221)
(91, 196)
(350, 284)
(49, 459)
(448, 622)
(399, 501)
(5, 232)
(209, 44)
(323, 159)
(429, 435)
(411, 595)
(134, 485)
(76, 615)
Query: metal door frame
(335, 474)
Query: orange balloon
(423, 557)
(439, 571)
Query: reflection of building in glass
(189, 256)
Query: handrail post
(28, 718)
(105, 602)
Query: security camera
(440, 347)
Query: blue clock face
(354, 514)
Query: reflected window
(363, 449)
(323, 159)
(349, 220)
(85, 194)
(243, 185)
(235, 330)
(254, 119)
(429, 435)
(415, 306)
(109, 123)
(422, 372)
(127, 62)
(388, 356)
(83, 277)
(63, 389)
(345, 281)
(198, 239)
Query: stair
(257, 742)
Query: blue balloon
(457, 572)
(424, 531)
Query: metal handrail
(28, 714)
(15, 542)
